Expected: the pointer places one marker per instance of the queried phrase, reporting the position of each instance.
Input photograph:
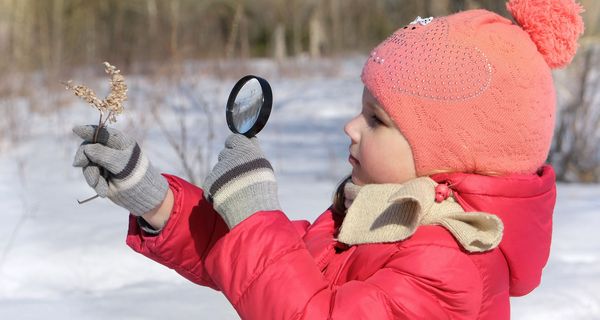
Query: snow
(61, 260)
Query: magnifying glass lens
(247, 105)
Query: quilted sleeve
(189, 234)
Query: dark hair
(338, 207)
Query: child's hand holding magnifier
(242, 182)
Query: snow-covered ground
(61, 260)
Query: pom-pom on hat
(553, 25)
(473, 92)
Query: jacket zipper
(337, 277)
(339, 272)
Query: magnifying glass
(249, 105)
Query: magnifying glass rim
(265, 110)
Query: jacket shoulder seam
(462, 253)
(258, 273)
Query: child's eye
(374, 121)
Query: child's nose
(350, 129)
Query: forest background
(45, 41)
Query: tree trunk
(234, 30)
(297, 13)
(174, 43)
(244, 37)
(436, 8)
(336, 25)
(316, 33)
(279, 46)
(592, 17)
(57, 34)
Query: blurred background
(180, 58)
(49, 39)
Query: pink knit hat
(473, 92)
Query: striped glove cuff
(242, 182)
(116, 167)
(139, 187)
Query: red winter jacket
(269, 267)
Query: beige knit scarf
(393, 212)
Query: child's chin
(357, 181)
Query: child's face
(379, 153)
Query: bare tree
(192, 138)
(279, 43)
(437, 7)
(46, 34)
(575, 152)
(316, 31)
(591, 16)
(238, 32)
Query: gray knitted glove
(131, 182)
(242, 182)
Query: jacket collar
(392, 212)
(525, 204)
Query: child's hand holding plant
(111, 106)
(113, 163)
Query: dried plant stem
(100, 125)
(112, 105)
(88, 199)
(103, 172)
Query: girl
(447, 212)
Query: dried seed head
(86, 94)
(118, 91)
(112, 105)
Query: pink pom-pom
(553, 25)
